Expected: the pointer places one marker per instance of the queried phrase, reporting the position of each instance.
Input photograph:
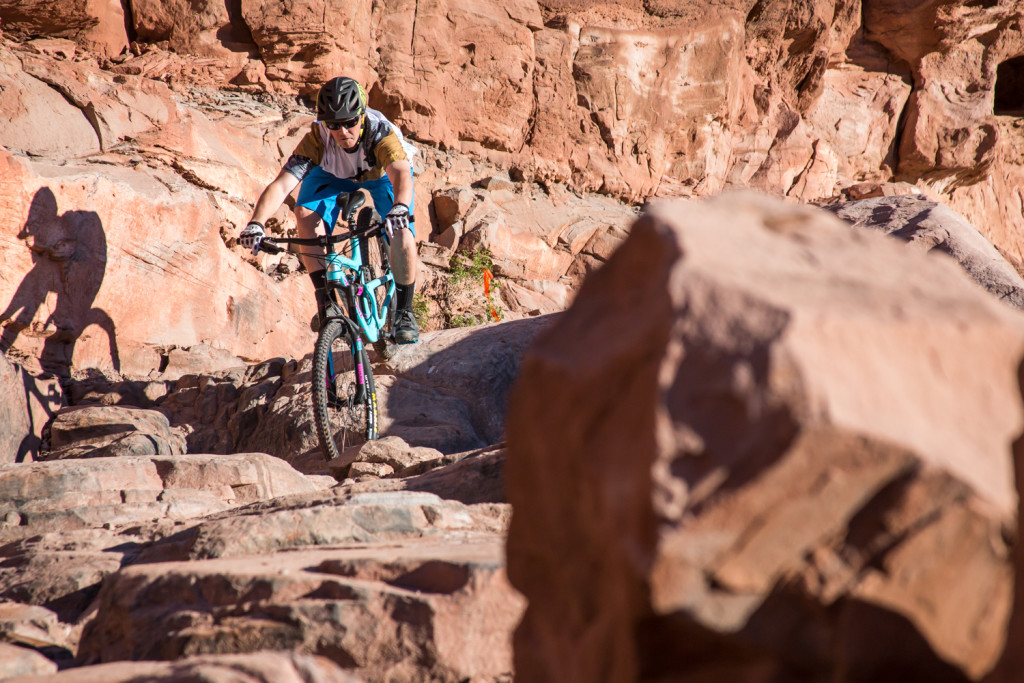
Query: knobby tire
(341, 422)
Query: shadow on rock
(449, 391)
(69, 253)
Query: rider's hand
(251, 236)
(397, 219)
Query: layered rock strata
(630, 98)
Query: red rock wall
(800, 98)
(121, 266)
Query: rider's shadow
(55, 298)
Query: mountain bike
(360, 289)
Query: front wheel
(344, 394)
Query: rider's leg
(404, 263)
(316, 205)
(307, 221)
(404, 260)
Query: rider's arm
(400, 175)
(273, 196)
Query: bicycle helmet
(339, 99)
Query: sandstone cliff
(164, 111)
(801, 98)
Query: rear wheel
(345, 411)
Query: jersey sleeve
(389, 149)
(299, 166)
(310, 146)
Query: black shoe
(406, 329)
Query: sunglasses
(347, 123)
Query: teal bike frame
(350, 274)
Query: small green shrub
(421, 309)
(471, 266)
(464, 320)
(466, 272)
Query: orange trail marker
(487, 293)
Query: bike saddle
(352, 203)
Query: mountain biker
(349, 147)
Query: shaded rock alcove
(1009, 91)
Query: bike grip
(269, 247)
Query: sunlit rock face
(634, 100)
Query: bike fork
(360, 375)
(357, 358)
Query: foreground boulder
(763, 446)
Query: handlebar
(271, 245)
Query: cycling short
(319, 192)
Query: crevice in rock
(531, 121)
(129, 21)
(191, 177)
(893, 156)
(412, 40)
(237, 36)
(755, 12)
(801, 177)
(89, 111)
